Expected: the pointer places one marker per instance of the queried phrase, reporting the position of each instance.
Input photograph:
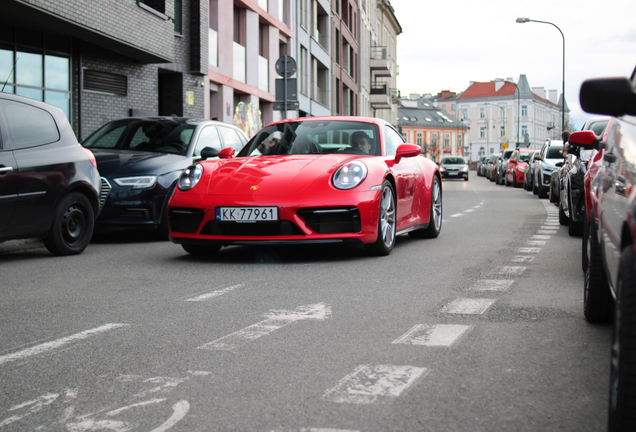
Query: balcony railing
(263, 74)
(380, 62)
(238, 70)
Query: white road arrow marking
(275, 320)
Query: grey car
(454, 167)
(500, 167)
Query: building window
(158, 5)
(524, 131)
(38, 76)
(502, 132)
(418, 140)
(302, 69)
(465, 115)
(447, 141)
(178, 17)
(452, 107)
(338, 47)
(482, 112)
(524, 111)
(482, 132)
(303, 13)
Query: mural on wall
(248, 118)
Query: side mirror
(406, 150)
(585, 139)
(208, 152)
(609, 96)
(227, 153)
(538, 157)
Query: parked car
(481, 166)
(490, 169)
(594, 165)
(570, 180)
(546, 162)
(500, 166)
(516, 167)
(312, 187)
(611, 273)
(454, 167)
(528, 179)
(142, 158)
(49, 184)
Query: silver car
(545, 164)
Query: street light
(525, 20)
(503, 110)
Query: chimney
(553, 97)
(498, 85)
(414, 96)
(539, 91)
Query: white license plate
(247, 214)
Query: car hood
(114, 163)
(273, 175)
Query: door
(406, 173)
(8, 186)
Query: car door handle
(5, 169)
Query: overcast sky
(446, 44)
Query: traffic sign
(286, 66)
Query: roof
(428, 117)
(489, 90)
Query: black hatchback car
(142, 158)
(49, 184)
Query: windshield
(315, 137)
(555, 151)
(525, 157)
(166, 136)
(453, 161)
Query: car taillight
(91, 156)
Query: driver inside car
(360, 141)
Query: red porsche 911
(310, 180)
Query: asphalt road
(481, 329)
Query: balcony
(263, 74)
(382, 97)
(380, 62)
(238, 70)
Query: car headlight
(190, 177)
(522, 169)
(442, 169)
(141, 182)
(464, 169)
(349, 175)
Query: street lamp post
(503, 110)
(525, 20)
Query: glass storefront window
(6, 71)
(28, 69)
(56, 73)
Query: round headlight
(190, 177)
(349, 175)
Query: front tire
(73, 224)
(563, 218)
(387, 222)
(597, 299)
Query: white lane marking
(492, 285)
(179, 411)
(368, 384)
(99, 425)
(137, 405)
(433, 335)
(546, 231)
(48, 346)
(535, 243)
(38, 404)
(457, 215)
(540, 237)
(522, 258)
(167, 384)
(510, 270)
(468, 306)
(313, 430)
(275, 321)
(469, 210)
(529, 250)
(211, 295)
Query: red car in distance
(516, 167)
(310, 180)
